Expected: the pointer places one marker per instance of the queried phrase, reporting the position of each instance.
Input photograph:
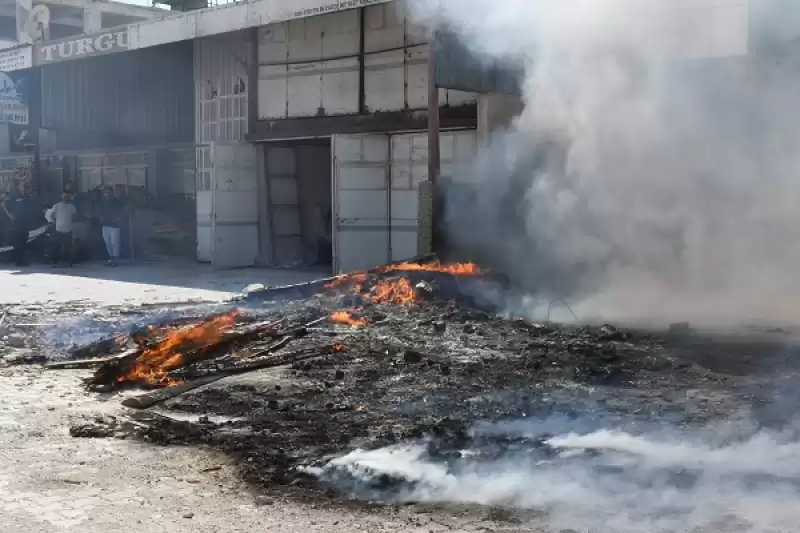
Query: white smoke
(628, 483)
(675, 193)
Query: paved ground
(51, 482)
(141, 282)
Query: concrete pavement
(138, 282)
(52, 482)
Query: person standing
(63, 214)
(110, 213)
(17, 208)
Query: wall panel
(310, 67)
(136, 98)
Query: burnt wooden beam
(450, 117)
(90, 363)
(143, 401)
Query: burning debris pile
(372, 359)
(239, 340)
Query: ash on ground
(435, 370)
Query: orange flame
(397, 291)
(343, 317)
(458, 269)
(152, 366)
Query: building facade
(293, 124)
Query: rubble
(402, 353)
(23, 357)
(16, 340)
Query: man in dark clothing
(110, 212)
(18, 206)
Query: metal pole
(434, 157)
(35, 119)
(130, 235)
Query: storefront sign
(81, 47)
(16, 59)
(334, 6)
(14, 97)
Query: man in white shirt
(63, 215)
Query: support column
(92, 19)
(428, 197)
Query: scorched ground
(411, 354)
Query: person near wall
(17, 207)
(110, 212)
(81, 223)
(63, 215)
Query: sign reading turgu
(81, 47)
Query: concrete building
(25, 22)
(281, 118)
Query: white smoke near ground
(638, 186)
(605, 481)
(640, 182)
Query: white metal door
(203, 204)
(360, 201)
(234, 176)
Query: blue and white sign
(14, 98)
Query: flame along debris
(347, 319)
(457, 269)
(179, 346)
(400, 291)
(152, 366)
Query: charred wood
(149, 399)
(152, 398)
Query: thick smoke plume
(642, 181)
(638, 184)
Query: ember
(343, 317)
(152, 366)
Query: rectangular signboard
(14, 97)
(81, 47)
(19, 58)
(334, 6)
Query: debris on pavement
(15, 340)
(409, 350)
(405, 353)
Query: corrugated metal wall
(142, 97)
